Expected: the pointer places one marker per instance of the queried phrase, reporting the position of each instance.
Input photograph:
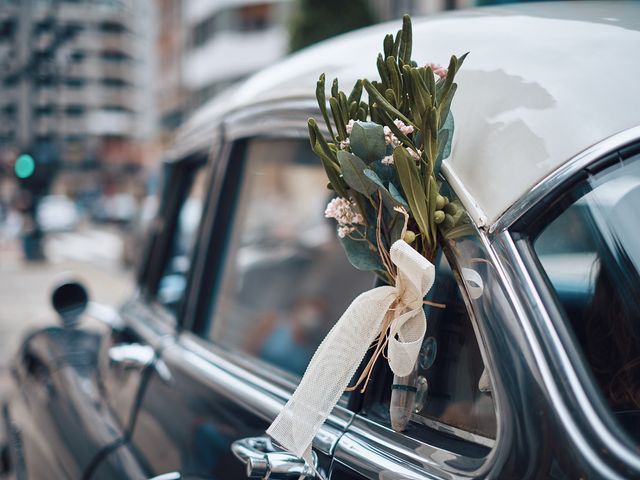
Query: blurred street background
(91, 94)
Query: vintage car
(537, 352)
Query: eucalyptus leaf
(367, 141)
(360, 254)
(373, 176)
(395, 193)
(353, 173)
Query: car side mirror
(69, 300)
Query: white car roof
(542, 83)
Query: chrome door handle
(264, 461)
(134, 356)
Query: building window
(78, 56)
(7, 29)
(111, 27)
(116, 109)
(44, 110)
(114, 82)
(75, 82)
(250, 18)
(114, 56)
(74, 110)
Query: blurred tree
(315, 20)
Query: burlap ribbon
(341, 352)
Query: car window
(590, 252)
(453, 388)
(285, 279)
(173, 281)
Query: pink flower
(343, 211)
(438, 69)
(414, 153)
(344, 231)
(388, 160)
(390, 138)
(406, 129)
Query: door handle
(264, 461)
(134, 356)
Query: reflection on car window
(174, 278)
(451, 386)
(591, 255)
(286, 279)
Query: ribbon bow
(337, 358)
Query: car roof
(542, 83)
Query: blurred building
(73, 81)
(390, 9)
(203, 46)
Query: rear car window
(285, 280)
(590, 252)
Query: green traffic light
(25, 166)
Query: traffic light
(25, 166)
(35, 168)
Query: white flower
(344, 212)
(350, 126)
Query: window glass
(453, 388)
(286, 279)
(174, 278)
(591, 254)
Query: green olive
(409, 237)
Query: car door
(274, 279)
(145, 324)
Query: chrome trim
(473, 209)
(276, 119)
(548, 376)
(454, 431)
(561, 175)
(264, 460)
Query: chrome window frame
(583, 412)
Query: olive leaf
(353, 173)
(412, 187)
(322, 150)
(367, 141)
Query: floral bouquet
(382, 160)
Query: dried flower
(343, 211)
(406, 129)
(349, 126)
(438, 69)
(390, 138)
(416, 154)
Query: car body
(184, 385)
